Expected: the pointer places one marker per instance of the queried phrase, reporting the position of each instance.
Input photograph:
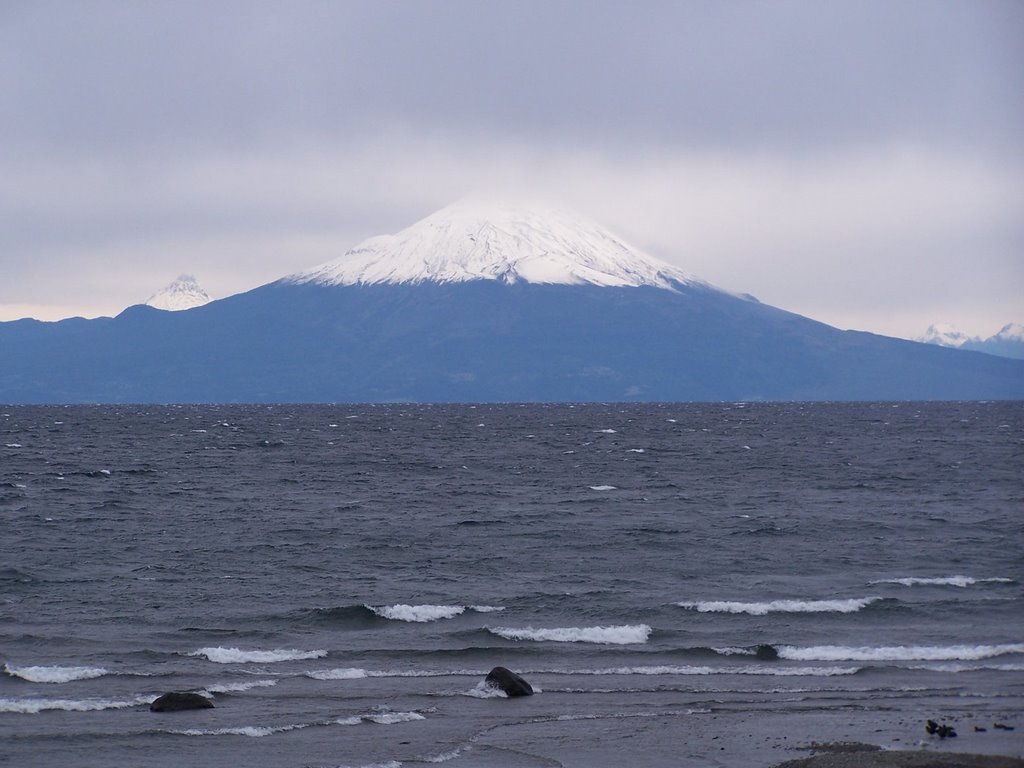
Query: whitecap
(957, 668)
(629, 634)
(33, 706)
(607, 432)
(237, 687)
(417, 613)
(253, 731)
(636, 450)
(770, 671)
(444, 757)
(602, 487)
(342, 673)
(12, 445)
(391, 718)
(238, 656)
(356, 673)
(950, 581)
(54, 674)
(484, 691)
(850, 605)
(899, 652)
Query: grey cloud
(154, 75)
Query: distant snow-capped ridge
(475, 241)
(945, 335)
(183, 293)
(1009, 342)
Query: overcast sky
(858, 162)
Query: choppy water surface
(339, 579)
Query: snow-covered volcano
(183, 293)
(481, 241)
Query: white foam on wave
(380, 718)
(899, 652)
(356, 673)
(417, 613)
(444, 757)
(54, 674)
(849, 605)
(425, 613)
(342, 673)
(627, 634)
(34, 706)
(602, 487)
(607, 432)
(771, 671)
(392, 718)
(957, 668)
(947, 581)
(238, 687)
(259, 731)
(484, 691)
(253, 731)
(238, 656)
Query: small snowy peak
(475, 241)
(945, 335)
(1008, 342)
(183, 293)
(1010, 332)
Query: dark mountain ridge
(479, 341)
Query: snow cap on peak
(945, 335)
(477, 240)
(183, 293)
(1010, 332)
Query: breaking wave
(724, 670)
(238, 656)
(628, 634)
(258, 731)
(949, 581)
(424, 613)
(850, 605)
(237, 687)
(54, 674)
(253, 731)
(899, 652)
(34, 706)
(356, 673)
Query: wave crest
(54, 674)
(34, 706)
(705, 670)
(899, 652)
(238, 656)
(849, 605)
(627, 634)
(946, 581)
(425, 613)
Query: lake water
(339, 580)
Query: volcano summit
(481, 303)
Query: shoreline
(860, 755)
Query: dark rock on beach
(765, 652)
(176, 700)
(509, 682)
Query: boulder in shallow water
(508, 681)
(765, 652)
(176, 700)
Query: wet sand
(871, 756)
